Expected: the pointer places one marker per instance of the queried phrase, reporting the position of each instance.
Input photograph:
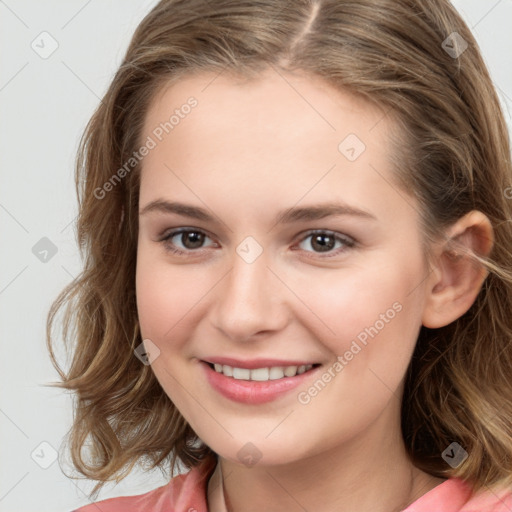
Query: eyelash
(347, 241)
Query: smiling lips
(256, 381)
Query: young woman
(295, 221)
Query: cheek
(376, 320)
(166, 296)
(366, 312)
(169, 298)
(158, 304)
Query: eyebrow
(287, 216)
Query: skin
(247, 151)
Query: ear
(456, 278)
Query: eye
(325, 243)
(190, 240)
(322, 241)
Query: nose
(250, 300)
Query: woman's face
(299, 251)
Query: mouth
(262, 374)
(260, 384)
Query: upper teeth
(261, 374)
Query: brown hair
(453, 156)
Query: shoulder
(183, 493)
(454, 495)
(490, 500)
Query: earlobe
(456, 278)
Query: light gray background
(45, 104)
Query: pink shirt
(187, 493)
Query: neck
(370, 473)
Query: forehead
(273, 99)
(270, 115)
(251, 140)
